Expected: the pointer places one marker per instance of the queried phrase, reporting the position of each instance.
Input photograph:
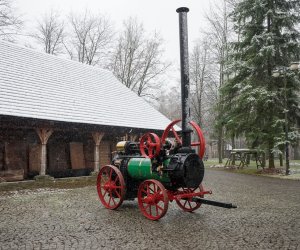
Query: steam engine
(150, 159)
(158, 170)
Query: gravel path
(267, 217)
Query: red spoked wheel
(151, 143)
(110, 187)
(187, 204)
(153, 199)
(200, 143)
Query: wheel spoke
(106, 172)
(114, 201)
(116, 179)
(144, 191)
(150, 153)
(105, 192)
(110, 174)
(176, 135)
(150, 190)
(110, 197)
(150, 148)
(156, 207)
(117, 193)
(105, 178)
(147, 206)
(159, 207)
(185, 203)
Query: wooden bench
(243, 155)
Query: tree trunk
(271, 160)
(220, 145)
(271, 155)
(233, 147)
(297, 151)
(248, 158)
(263, 160)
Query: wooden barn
(62, 118)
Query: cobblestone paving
(267, 217)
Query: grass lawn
(252, 169)
(294, 164)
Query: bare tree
(136, 60)
(170, 103)
(50, 33)
(91, 37)
(201, 76)
(219, 31)
(10, 23)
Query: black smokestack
(185, 80)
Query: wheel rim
(189, 205)
(201, 140)
(110, 187)
(153, 199)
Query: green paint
(141, 169)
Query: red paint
(153, 199)
(183, 199)
(151, 142)
(200, 143)
(110, 187)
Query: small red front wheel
(187, 204)
(153, 199)
(110, 187)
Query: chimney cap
(182, 9)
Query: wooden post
(97, 136)
(44, 135)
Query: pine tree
(253, 99)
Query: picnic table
(244, 156)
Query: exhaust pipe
(185, 80)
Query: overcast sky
(159, 15)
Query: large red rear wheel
(200, 143)
(153, 199)
(187, 204)
(110, 187)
